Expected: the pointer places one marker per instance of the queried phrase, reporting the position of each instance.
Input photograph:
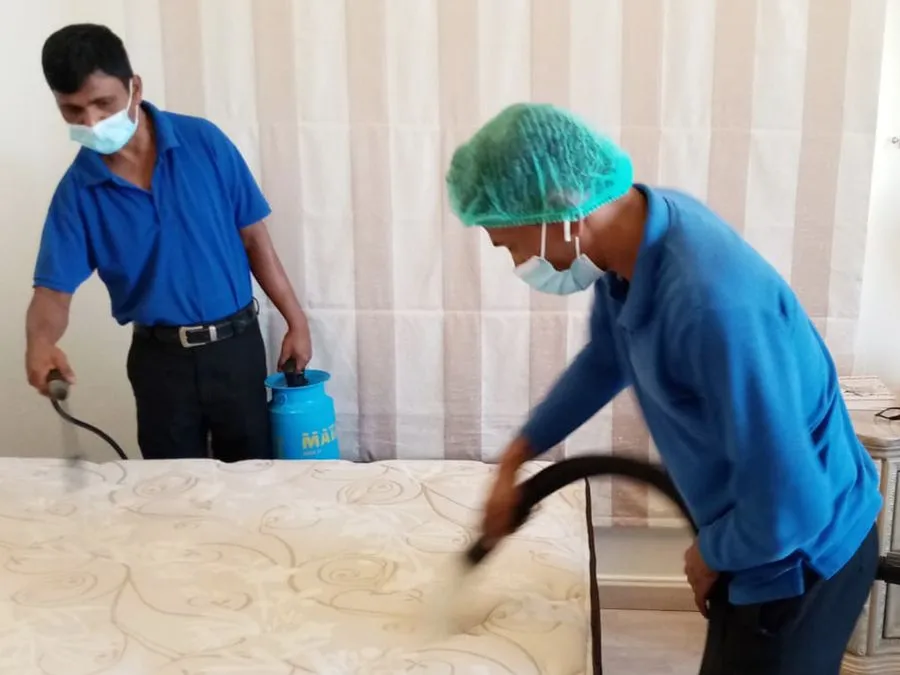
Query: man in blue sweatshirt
(737, 387)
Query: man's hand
(40, 359)
(297, 345)
(699, 576)
(505, 493)
(270, 274)
(500, 507)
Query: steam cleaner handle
(293, 377)
(57, 385)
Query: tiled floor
(652, 643)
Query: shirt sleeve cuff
(56, 285)
(255, 215)
(706, 544)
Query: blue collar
(93, 171)
(641, 289)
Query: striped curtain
(349, 110)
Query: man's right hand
(40, 359)
(505, 493)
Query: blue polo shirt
(172, 255)
(740, 394)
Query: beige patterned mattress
(193, 567)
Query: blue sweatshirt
(740, 394)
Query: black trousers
(804, 635)
(187, 397)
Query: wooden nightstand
(875, 645)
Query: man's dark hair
(72, 54)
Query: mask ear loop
(578, 238)
(130, 96)
(567, 230)
(543, 239)
(137, 112)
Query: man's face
(101, 96)
(525, 242)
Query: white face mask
(538, 273)
(110, 135)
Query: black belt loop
(200, 335)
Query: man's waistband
(201, 334)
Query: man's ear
(137, 92)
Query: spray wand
(58, 388)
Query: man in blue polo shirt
(736, 385)
(163, 207)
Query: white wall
(34, 152)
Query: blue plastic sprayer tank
(302, 418)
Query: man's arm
(270, 274)
(64, 262)
(748, 376)
(590, 382)
(45, 323)
(47, 317)
(250, 210)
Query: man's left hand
(699, 576)
(296, 345)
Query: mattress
(195, 567)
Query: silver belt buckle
(184, 331)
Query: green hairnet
(533, 164)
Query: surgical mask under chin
(538, 273)
(110, 135)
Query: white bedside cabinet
(875, 645)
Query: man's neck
(616, 233)
(136, 161)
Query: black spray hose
(564, 472)
(58, 388)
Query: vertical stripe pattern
(182, 46)
(349, 112)
(550, 83)
(372, 214)
(458, 86)
(731, 109)
(279, 143)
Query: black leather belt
(203, 334)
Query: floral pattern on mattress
(195, 567)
